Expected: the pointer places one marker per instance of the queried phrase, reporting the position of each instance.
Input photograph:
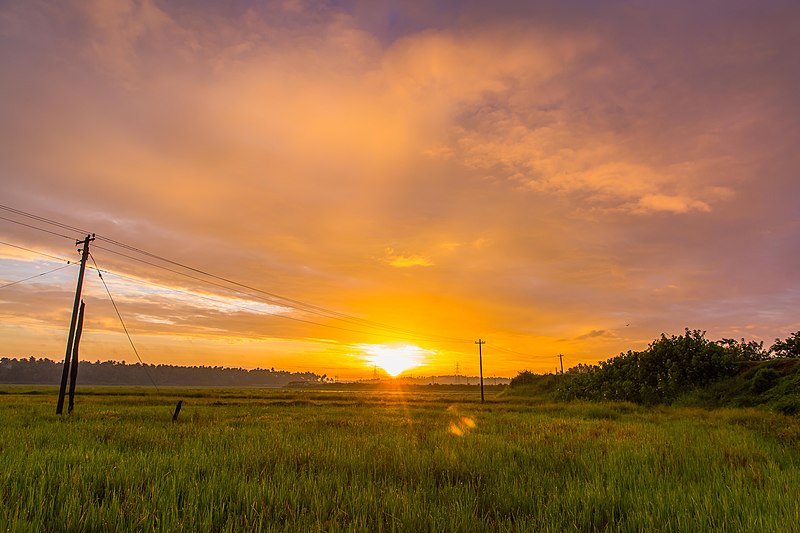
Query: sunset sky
(552, 177)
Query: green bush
(528, 384)
(526, 377)
(764, 379)
(746, 350)
(790, 347)
(787, 406)
(668, 367)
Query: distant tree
(746, 350)
(669, 366)
(580, 368)
(523, 378)
(789, 347)
(34, 370)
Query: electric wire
(35, 251)
(255, 311)
(271, 298)
(36, 276)
(296, 304)
(276, 298)
(40, 218)
(36, 228)
(507, 350)
(408, 336)
(127, 334)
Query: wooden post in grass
(73, 369)
(177, 410)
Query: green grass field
(395, 460)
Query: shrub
(746, 350)
(526, 377)
(764, 379)
(789, 347)
(788, 406)
(668, 367)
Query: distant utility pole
(561, 358)
(73, 323)
(480, 363)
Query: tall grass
(295, 460)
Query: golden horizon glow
(394, 360)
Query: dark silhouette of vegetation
(764, 379)
(746, 350)
(774, 384)
(526, 377)
(44, 371)
(790, 347)
(668, 367)
(687, 369)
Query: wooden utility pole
(84, 255)
(480, 363)
(73, 369)
(561, 359)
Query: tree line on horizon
(33, 371)
(667, 368)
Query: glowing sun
(394, 359)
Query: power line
(404, 334)
(276, 298)
(281, 300)
(409, 335)
(99, 273)
(228, 284)
(36, 276)
(507, 350)
(41, 219)
(245, 308)
(192, 294)
(37, 228)
(35, 251)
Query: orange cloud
(671, 204)
(405, 261)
